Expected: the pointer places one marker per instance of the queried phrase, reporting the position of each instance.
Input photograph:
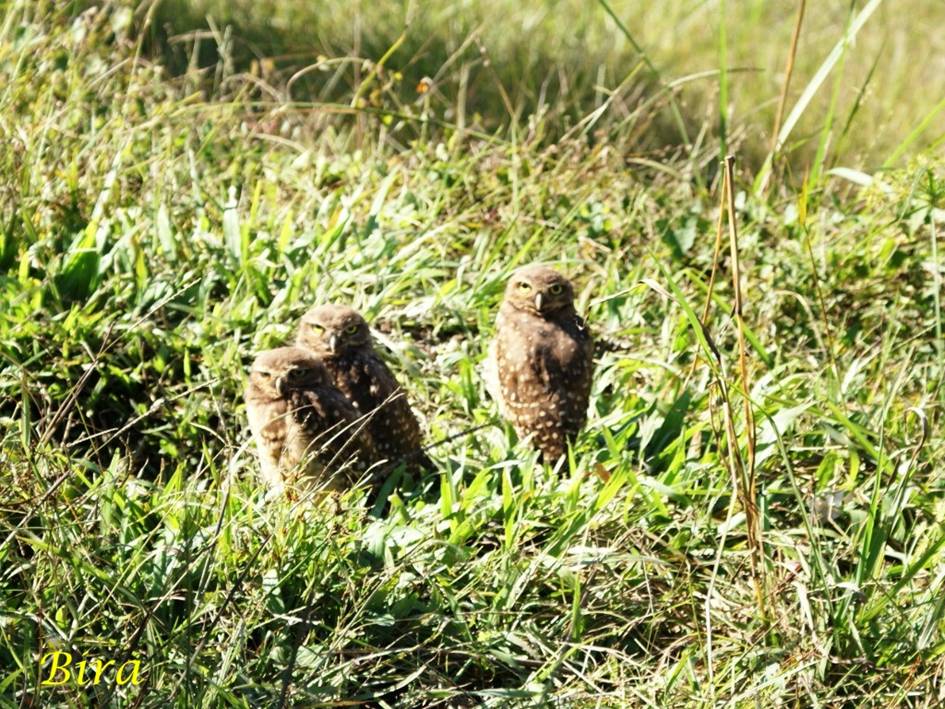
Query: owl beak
(333, 344)
(281, 386)
(538, 302)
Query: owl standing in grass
(541, 361)
(307, 433)
(341, 338)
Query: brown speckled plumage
(543, 360)
(341, 338)
(306, 431)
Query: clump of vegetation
(175, 190)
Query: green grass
(497, 62)
(159, 225)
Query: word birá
(86, 673)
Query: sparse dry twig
(746, 468)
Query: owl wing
(582, 370)
(566, 369)
(333, 428)
(395, 423)
(564, 361)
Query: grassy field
(180, 181)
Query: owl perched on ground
(340, 337)
(540, 363)
(305, 430)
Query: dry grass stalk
(782, 100)
(745, 469)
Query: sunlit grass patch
(158, 230)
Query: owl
(541, 360)
(305, 430)
(341, 338)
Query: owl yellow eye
(556, 289)
(524, 286)
(315, 327)
(351, 329)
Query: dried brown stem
(788, 72)
(746, 469)
(719, 230)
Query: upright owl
(341, 338)
(305, 430)
(541, 360)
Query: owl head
(331, 330)
(276, 373)
(539, 290)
